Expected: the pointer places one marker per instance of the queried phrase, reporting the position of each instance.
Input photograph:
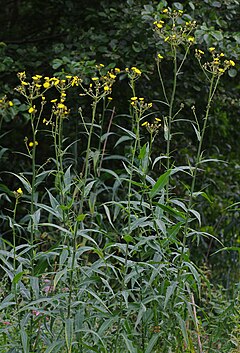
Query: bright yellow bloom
(23, 83)
(232, 63)
(106, 88)
(61, 106)
(95, 78)
(165, 10)
(221, 70)
(10, 103)
(31, 144)
(46, 84)
(191, 39)
(117, 69)
(109, 98)
(19, 191)
(200, 52)
(145, 123)
(31, 110)
(112, 76)
(159, 25)
(221, 55)
(134, 98)
(160, 56)
(53, 100)
(211, 49)
(68, 77)
(141, 99)
(136, 70)
(158, 119)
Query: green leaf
(17, 277)
(183, 328)
(128, 238)
(69, 334)
(80, 217)
(24, 181)
(58, 277)
(160, 183)
(129, 344)
(55, 347)
(152, 343)
(24, 339)
(169, 293)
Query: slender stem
(74, 250)
(170, 114)
(105, 141)
(94, 108)
(212, 89)
(162, 83)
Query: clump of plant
(99, 256)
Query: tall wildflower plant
(103, 264)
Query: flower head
(19, 192)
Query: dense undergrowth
(98, 241)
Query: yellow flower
(134, 99)
(159, 25)
(191, 39)
(145, 123)
(31, 110)
(232, 63)
(141, 99)
(160, 57)
(19, 191)
(68, 77)
(112, 76)
(136, 70)
(31, 144)
(221, 70)
(158, 119)
(117, 69)
(109, 98)
(221, 55)
(106, 88)
(53, 100)
(95, 78)
(165, 10)
(200, 52)
(61, 106)
(23, 83)
(166, 39)
(10, 103)
(211, 49)
(46, 84)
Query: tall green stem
(94, 108)
(212, 89)
(170, 113)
